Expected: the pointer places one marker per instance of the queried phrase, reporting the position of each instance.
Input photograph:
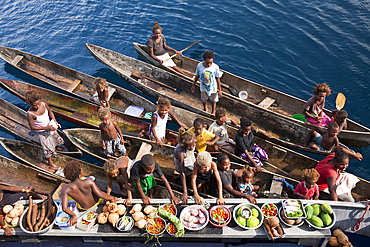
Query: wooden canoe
(33, 156)
(280, 112)
(19, 175)
(15, 121)
(77, 111)
(63, 78)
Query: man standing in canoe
(157, 49)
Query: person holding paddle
(157, 49)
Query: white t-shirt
(219, 130)
(208, 77)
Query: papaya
(316, 209)
(326, 219)
(252, 221)
(316, 221)
(255, 212)
(309, 211)
(326, 208)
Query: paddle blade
(340, 101)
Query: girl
(184, 158)
(39, 116)
(157, 49)
(308, 189)
(313, 110)
(157, 129)
(202, 171)
(245, 146)
(100, 85)
(114, 168)
(245, 182)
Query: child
(111, 134)
(326, 142)
(202, 171)
(218, 128)
(308, 189)
(157, 129)
(114, 168)
(245, 146)
(82, 190)
(39, 116)
(142, 175)
(204, 137)
(313, 110)
(209, 74)
(184, 158)
(245, 182)
(341, 119)
(226, 175)
(100, 85)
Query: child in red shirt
(308, 189)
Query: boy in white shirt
(209, 75)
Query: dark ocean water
(286, 45)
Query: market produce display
(155, 226)
(194, 217)
(339, 239)
(12, 214)
(293, 209)
(111, 212)
(269, 209)
(219, 216)
(248, 216)
(287, 221)
(320, 216)
(125, 224)
(178, 227)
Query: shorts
(201, 178)
(204, 97)
(318, 140)
(114, 145)
(169, 62)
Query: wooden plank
(276, 188)
(58, 192)
(144, 149)
(73, 85)
(16, 60)
(266, 103)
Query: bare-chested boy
(83, 191)
(111, 135)
(340, 118)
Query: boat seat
(16, 60)
(276, 188)
(266, 103)
(73, 85)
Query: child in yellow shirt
(203, 136)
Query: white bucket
(243, 95)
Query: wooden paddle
(143, 76)
(174, 55)
(340, 101)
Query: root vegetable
(333, 241)
(19, 205)
(112, 207)
(113, 218)
(149, 209)
(288, 221)
(38, 215)
(140, 224)
(343, 239)
(274, 232)
(337, 232)
(48, 211)
(34, 215)
(42, 216)
(138, 216)
(29, 214)
(14, 213)
(103, 218)
(121, 209)
(8, 219)
(15, 221)
(268, 229)
(136, 208)
(280, 230)
(7, 209)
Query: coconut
(333, 241)
(273, 221)
(343, 239)
(337, 232)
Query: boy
(326, 142)
(209, 74)
(204, 137)
(114, 168)
(111, 134)
(142, 175)
(341, 119)
(82, 190)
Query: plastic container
(155, 220)
(333, 217)
(172, 206)
(301, 206)
(90, 217)
(273, 205)
(167, 226)
(281, 219)
(243, 95)
(219, 223)
(197, 226)
(119, 221)
(250, 206)
(66, 226)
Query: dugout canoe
(17, 174)
(33, 156)
(278, 113)
(81, 85)
(15, 121)
(78, 111)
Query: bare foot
(53, 166)
(213, 113)
(205, 109)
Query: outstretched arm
(154, 123)
(176, 119)
(220, 200)
(174, 199)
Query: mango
(326, 208)
(316, 221)
(252, 221)
(242, 221)
(326, 219)
(309, 211)
(316, 209)
(255, 212)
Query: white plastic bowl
(325, 227)
(188, 209)
(243, 95)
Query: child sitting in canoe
(308, 189)
(245, 182)
(157, 129)
(41, 119)
(142, 174)
(114, 168)
(218, 128)
(184, 158)
(100, 85)
(340, 118)
(111, 134)
(201, 175)
(205, 139)
(82, 190)
(245, 146)
(313, 110)
(209, 74)
(227, 176)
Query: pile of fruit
(155, 226)
(246, 219)
(320, 215)
(219, 215)
(12, 214)
(339, 239)
(111, 212)
(269, 210)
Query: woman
(157, 49)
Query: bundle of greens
(176, 221)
